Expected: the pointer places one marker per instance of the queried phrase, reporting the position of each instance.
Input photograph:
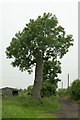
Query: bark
(38, 75)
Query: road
(69, 109)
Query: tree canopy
(43, 34)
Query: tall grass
(28, 107)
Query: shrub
(29, 90)
(75, 90)
(48, 89)
(62, 92)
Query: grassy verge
(28, 107)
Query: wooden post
(62, 85)
(68, 80)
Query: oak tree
(41, 40)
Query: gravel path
(69, 109)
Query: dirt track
(69, 109)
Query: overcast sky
(15, 14)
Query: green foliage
(62, 92)
(29, 90)
(72, 92)
(48, 89)
(41, 41)
(22, 92)
(50, 77)
(65, 92)
(75, 90)
(29, 107)
(51, 71)
(40, 35)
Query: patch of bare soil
(69, 109)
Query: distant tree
(41, 39)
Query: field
(28, 107)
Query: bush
(62, 92)
(48, 89)
(22, 92)
(75, 90)
(29, 90)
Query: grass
(28, 107)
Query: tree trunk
(38, 75)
